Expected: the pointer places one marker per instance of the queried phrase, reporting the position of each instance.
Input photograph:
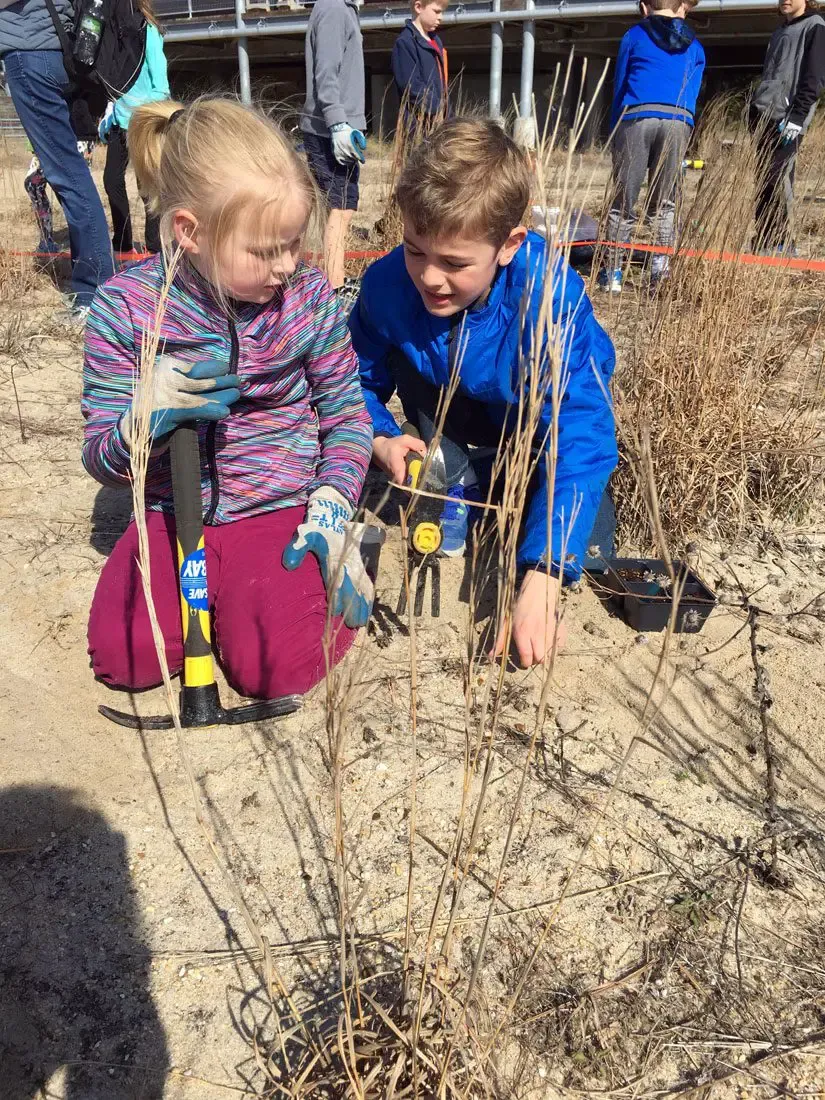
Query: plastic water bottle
(89, 33)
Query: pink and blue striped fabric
(301, 422)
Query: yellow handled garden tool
(200, 703)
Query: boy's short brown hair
(468, 178)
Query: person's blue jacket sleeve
(587, 452)
(694, 85)
(407, 74)
(372, 350)
(620, 80)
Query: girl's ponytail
(146, 138)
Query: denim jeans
(39, 86)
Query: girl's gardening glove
(185, 391)
(335, 541)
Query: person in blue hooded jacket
(465, 292)
(419, 65)
(659, 73)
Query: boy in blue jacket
(419, 65)
(658, 77)
(465, 290)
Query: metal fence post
(526, 128)
(496, 60)
(243, 54)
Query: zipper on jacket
(211, 456)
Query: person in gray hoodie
(333, 119)
(781, 111)
(40, 89)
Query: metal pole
(577, 10)
(526, 133)
(243, 54)
(496, 60)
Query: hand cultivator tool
(424, 538)
(200, 703)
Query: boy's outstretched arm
(372, 346)
(587, 455)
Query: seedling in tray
(642, 594)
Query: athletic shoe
(455, 519)
(610, 281)
(348, 294)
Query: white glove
(790, 132)
(348, 144)
(335, 541)
(185, 391)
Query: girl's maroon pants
(269, 624)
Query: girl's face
(254, 260)
(792, 9)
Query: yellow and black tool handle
(425, 530)
(199, 694)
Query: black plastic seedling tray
(640, 588)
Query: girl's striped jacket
(300, 422)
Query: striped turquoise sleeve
(109, 371)
(344, 426)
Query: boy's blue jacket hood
(495, 342)
(672, 35)
(659, 72)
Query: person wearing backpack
(151, 85)
(41, 90)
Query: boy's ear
(185, 231)
(512, 245)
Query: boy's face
(429, 15)
(450, 273)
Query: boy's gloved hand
(335, 541)
(185, 391)
(790, 132)
(347, 143)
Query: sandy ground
(124, 966)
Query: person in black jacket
(781, 111)
(419, 66)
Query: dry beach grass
(602, 877)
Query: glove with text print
(329, 533)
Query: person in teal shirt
(152, 84)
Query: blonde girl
(256, 349)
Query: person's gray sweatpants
(652, 148)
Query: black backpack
(117, 65)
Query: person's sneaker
(659, 272)
(610, 281)
(348, 294)
(49, 248)
(453, 523)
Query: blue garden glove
(347, 143)
(790, 132)
(329, 534)
(106, 124)
(184, 391)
